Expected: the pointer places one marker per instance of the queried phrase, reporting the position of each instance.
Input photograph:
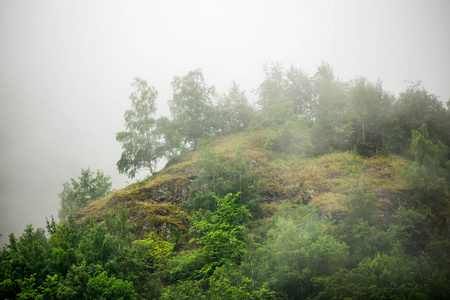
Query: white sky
(66, 69)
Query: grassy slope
(154, 204)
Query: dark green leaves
(220, 233)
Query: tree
(280, 86)
(370, 111)
(140, 142)
(220, 234)
(87, 189)
(192, 108)
(271, 91)
(416, 106)
(299, 90)
(292, 251)
(429, 173)
(361, 203)
(220, 176)
(234, 112)
(330, 105)
(385, 276)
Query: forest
(323, 189)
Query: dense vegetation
(339, 116)
(246, 238)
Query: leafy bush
(219, 177)
(428, 174)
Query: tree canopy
(89, 187)
(140, 142)
(192, 108)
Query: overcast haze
(66, 69)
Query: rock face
(155, 205)
(175, 190)
(307, 196)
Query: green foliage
(233, 111)
(292, 248)
(87, 189)
(361, 203)
(184, 290)
(97, 246)
(370, 112)
(416, 106)
(173, 145)
(141, 140)
(411, 229)
(185, 265)
(192, 108)
(63, 242)
(27, 287)
(295, 253)
(104, 287)
(365, 148)
(87, 261)
(428, 174)
(280, 86)
(425, 152)
(74, 285)
(291, 137)
(273, 117)
(221, 176)
(9, 289)
(156, 251)
(226, 284)
(381, 277)
(329, 111)
(48, 289)
(24, 265)
(326, 256)
(32, 250)
(271, 90)
(220, 233)
(367, 241)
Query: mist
(66, 69)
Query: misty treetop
(89, 187)
(355, 115)
(192, 107)
(197, 113)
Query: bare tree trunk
(363, 132)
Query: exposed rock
(174, 191)
(189, 171)
(273, 192)
(307, 196)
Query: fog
(66, 69)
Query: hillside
(337, 225)
(156, 204)
(326, 190)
